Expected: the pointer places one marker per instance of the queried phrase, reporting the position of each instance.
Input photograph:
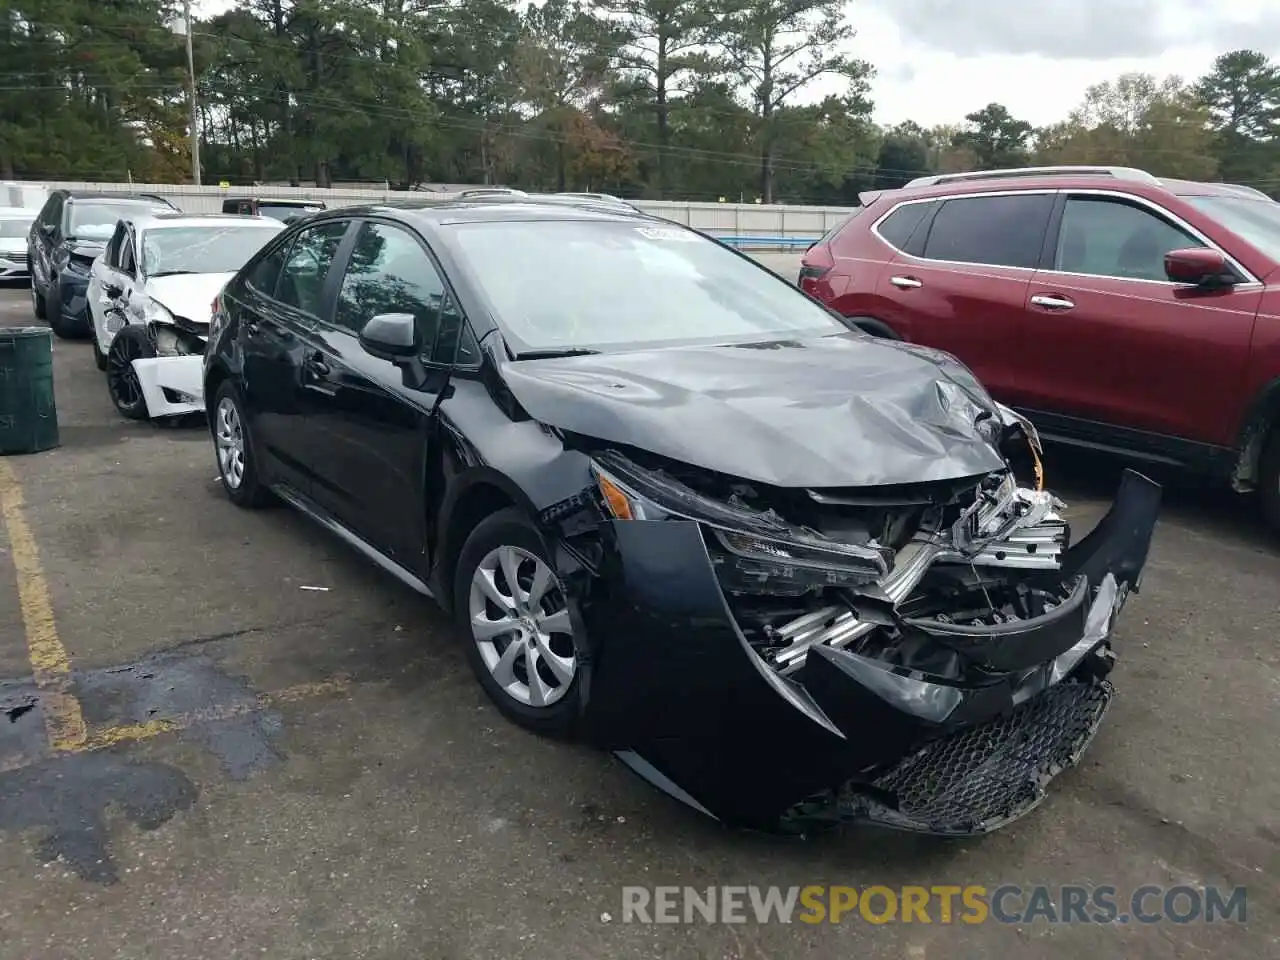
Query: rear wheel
(512, 609)
(1269, 480)
(237, 465)
(122, 380)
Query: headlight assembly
(786, 559)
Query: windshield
(558, 285)
(12, 227)
(205, 249)
(96, 219)
(1255, 221)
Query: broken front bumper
(675, 688)
(172, 386)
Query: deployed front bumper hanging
(825, 733)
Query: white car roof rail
(1120, 173)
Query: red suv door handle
(906, 283)
(1051, 302)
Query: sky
(937, 60)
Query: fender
(520, 462)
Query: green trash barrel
(28, 415)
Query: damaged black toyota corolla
(787, 572)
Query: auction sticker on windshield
(664, 233)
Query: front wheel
(130, 344)
(513, 611)
(1269, 480)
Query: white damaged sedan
(150, 296)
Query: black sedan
(789, 573)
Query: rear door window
(303, 278)
(1005, 231)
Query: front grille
(975, 780)
(986, 775)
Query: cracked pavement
(304, 773)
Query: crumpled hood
(188, 295)
(839, 411)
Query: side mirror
(391, 336)
(1200, 266)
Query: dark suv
(277, 208)
(1116, 310)
(71, 230)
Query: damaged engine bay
(904, 575)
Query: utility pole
(191, 95)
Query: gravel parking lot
(273, 749)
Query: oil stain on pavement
(67, 797)
(67, 794)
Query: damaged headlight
(786, 557)
(840, 564)
(173, 336)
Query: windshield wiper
(552, 354)
(170, 273)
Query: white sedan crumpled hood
(188, 295)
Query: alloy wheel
(228, 438)
(520, 623)
(122, 379)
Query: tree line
(662, 99)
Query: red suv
(1118, 311)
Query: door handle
(1051, 302)
(316, 366)
(906, 283)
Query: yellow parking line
(50, 665)
(131, 733)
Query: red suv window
(1006, 231)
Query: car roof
(278, 201)
(494, 208)
(162, 220)
(1123, 179)
(109, 195)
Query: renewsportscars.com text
(940, 904)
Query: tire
(129, 344)
(508, 535)
(64, 328)
(1269, 481)
(244, 487)
(874, 327)
(99, 358)
(37, 302)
